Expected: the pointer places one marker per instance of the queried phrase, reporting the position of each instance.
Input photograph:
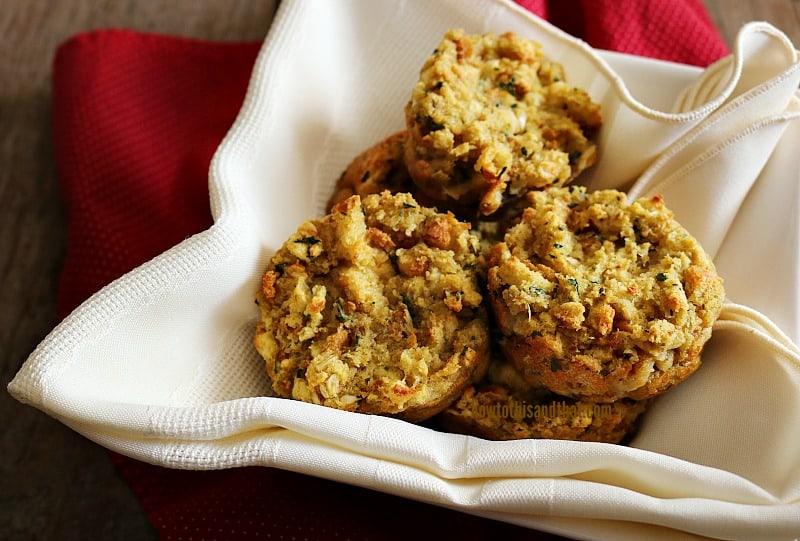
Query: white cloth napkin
(159, 365)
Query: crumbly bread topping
(491, 118)
(375, 308)
(600, 299)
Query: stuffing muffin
(506, 407)
(493, 412)
(379, 168)
(490, 119)
(375, 308)
(382, 167)
(600, 299)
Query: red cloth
(675, 30)
(136, 119)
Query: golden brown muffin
(491, 119)
(382, 167)
(504, 406)
(379, 168)
(375, 308)
(598, 299)
(494, 412)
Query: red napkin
(136, 119)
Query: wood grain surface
(54, 484)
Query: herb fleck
(409, 305)
(535, 290)
(509, 86)
(574, 283)
(341, 316)
(309, 241)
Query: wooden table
(54, 483)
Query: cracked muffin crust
(375, 308)
(491, 118)
(599, 299)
